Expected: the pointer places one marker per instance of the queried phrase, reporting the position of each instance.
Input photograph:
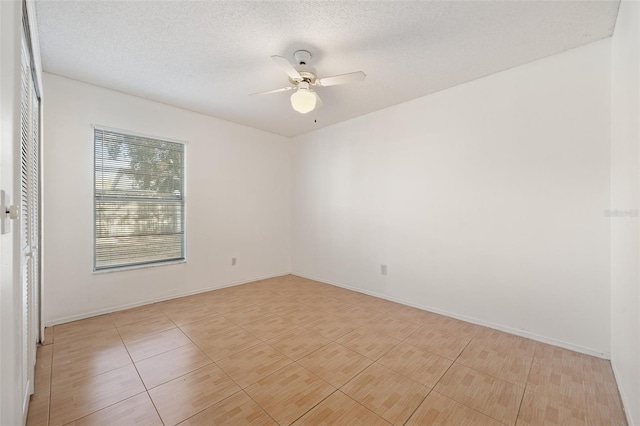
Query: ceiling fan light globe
(303, 101)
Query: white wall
(238, 201)
(625, 195)
(486, 201)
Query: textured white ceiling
(207, 56)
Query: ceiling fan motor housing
(306, 76)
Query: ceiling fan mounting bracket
(302, 57)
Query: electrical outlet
(233, 261)
(383, 269)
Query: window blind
(139, 200)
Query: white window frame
(95, 127)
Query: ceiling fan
(305, 99)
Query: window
(139, 200)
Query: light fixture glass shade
(303, 100)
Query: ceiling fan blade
(319, 103)
(268, 92)
(342, 79)
(286, 66)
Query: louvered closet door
(29, 223)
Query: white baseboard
(109, 310)
(506, 329)
(626, 402)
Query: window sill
(129, 268)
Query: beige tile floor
(291, 350)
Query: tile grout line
(145, 335)
(335, 389)
(241, 389)
(206, 354)
(319, 402)
(338, 389)
(404, 340)
(305, 355)
(380, 357)
(224, 399)
(221, 369)
(256, 402)
(494, 377)
(471, 408)
(375, 414)
(418, 406)
(104, 408)
(117, 402)
(292, 362)
(140, 377)
(435, 384)
(525, 388)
